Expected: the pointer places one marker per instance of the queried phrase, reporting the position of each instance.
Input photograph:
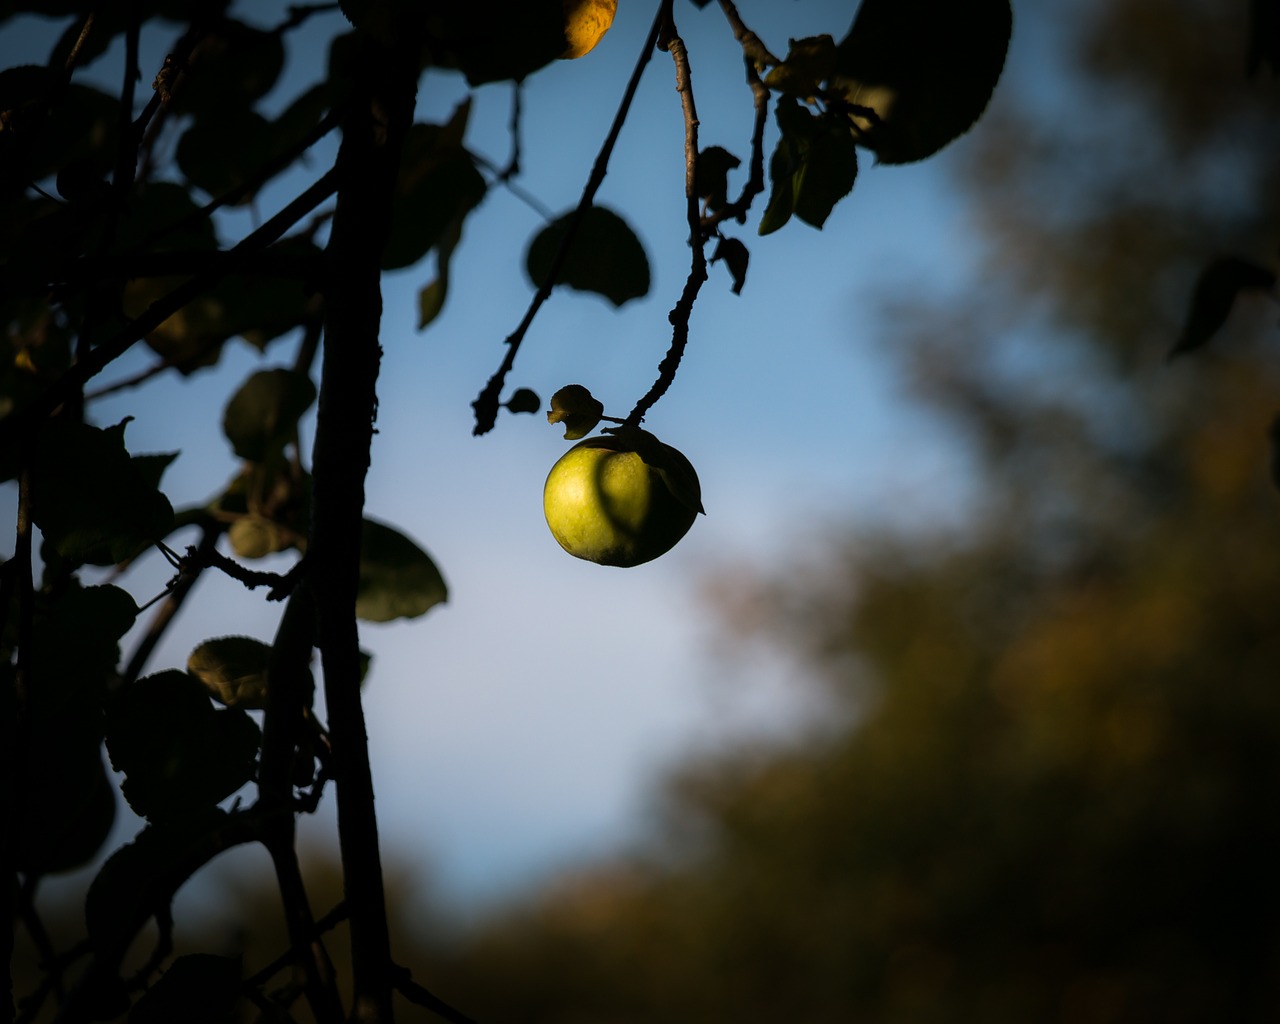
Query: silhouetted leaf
(605, 256)
(151, 468)
(813, 167)
(398, 580)
(523, 400)
(437, 186)
(84, 125)
(219, 153)
(89, 499)
(711, 177)
(233, 669)
(22, 101)
(926, 68)
(233, 65)
(809, 63)
(262, 416)
(198, 988)
(67, 804)
(81, 182)
(76, 640)
(175, 749)
(735, 256)
(503, 41)
(1215, 293)
(575, 407)
(162, 215)
(431, 298)
(302, 115)
(125, 892)
(258, 308)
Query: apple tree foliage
(113, 238)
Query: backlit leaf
(398, 580)
(233, 669)
(262, 416)
(813, 167)
(575, 407)
(809, 63)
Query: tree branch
(374, 125)
(288, 697)
(752, 47)
(487, 402)
(738, 209)
(166, 613)
(421, 996)
(679, 316)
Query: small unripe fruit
(606, 503)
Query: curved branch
(486, 403)
(752, 46)
(679, 316)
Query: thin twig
(679, 315)
(265, 172)
(159, 952)
(738, 209)
(751, 44)
(327, 923)
(487, 402)
(69, 64)
(513, 126)
(281, 585)
(178, 594)
(133, 381)
(289, 693)
(420, 996)
(524, 195)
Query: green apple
(621, 499)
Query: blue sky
(522, 726)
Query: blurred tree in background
(1052, 792)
